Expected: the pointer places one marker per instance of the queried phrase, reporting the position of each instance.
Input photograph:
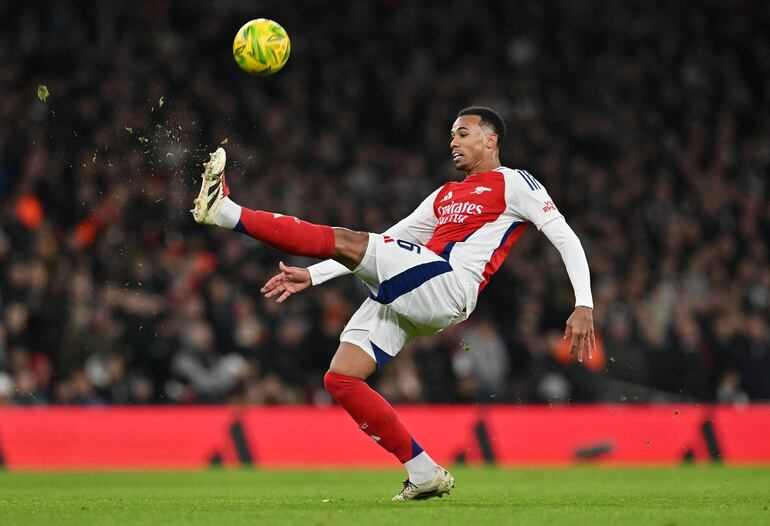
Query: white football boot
(213, 189)
(441, 484)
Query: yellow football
(261, 47)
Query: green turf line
(591, 496)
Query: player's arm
(417, 227)
(529, 200)
(580, 325)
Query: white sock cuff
(421, 468)
(228, 214)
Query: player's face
(471, 143)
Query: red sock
(373, 414)
(288, 233)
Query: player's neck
(487, 165)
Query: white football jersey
(474, 223)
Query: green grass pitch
(583, 495)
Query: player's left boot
(441, 484)
(213, 189)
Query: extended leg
(301, 238)
(286, 233)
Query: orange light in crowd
(29, 211)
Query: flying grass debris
(42, 92)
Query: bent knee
(351, 238)
(330, 382)
(350, 246)
(336, 384)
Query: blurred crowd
(646, 121)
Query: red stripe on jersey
(499, 255)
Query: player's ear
(492, 141)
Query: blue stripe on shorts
(380, 356)
(395, 287)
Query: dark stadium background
(646, 121)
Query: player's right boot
(213, 189)
(441, 484)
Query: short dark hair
(489, 117)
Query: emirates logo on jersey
(458, 212)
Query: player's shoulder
(520, 178)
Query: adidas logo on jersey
(447, 197)
(481, 189)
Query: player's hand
(290, 281)
(580, 328)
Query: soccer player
(423, 274)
